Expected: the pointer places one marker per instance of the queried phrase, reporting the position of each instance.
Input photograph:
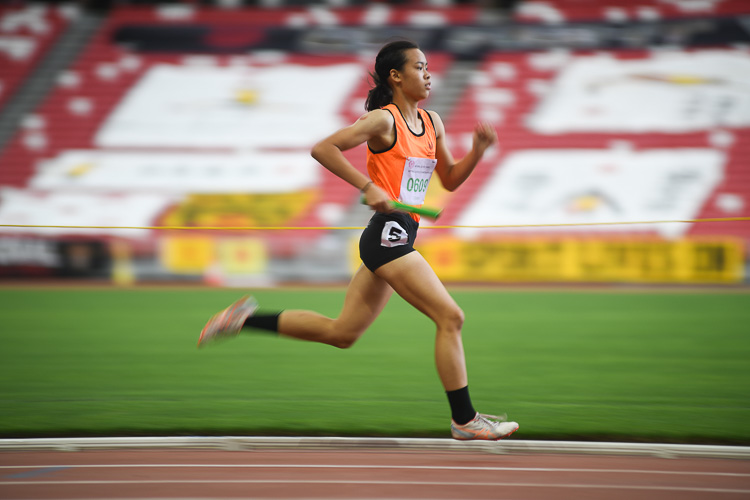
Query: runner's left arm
(453, 173)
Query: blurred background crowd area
(615, 118)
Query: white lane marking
(423, 444)
(379, 483)
(365, 467)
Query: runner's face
(415, 77)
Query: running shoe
(487, 427)
(228, 323)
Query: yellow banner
(187, 254)
(243, 256)
(273, 209)
(198, 254)
(575, 260)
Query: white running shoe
(228, 323)
(487, 427)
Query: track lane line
(381, 483)
(366, 467)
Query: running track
(362, 472)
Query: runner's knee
(344, 339)
(451, 319)
(344, 342)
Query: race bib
(393, 235)
(416, 178)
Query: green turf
(627, 366)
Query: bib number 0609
(417, 185)
(415, 179)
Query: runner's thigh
(412, 277)
(366, 297)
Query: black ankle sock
(462, 410)
(269, 322)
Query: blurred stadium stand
(183, 95)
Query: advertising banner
(582, 260)
(26, 256)
(197, 255)
(231, 107)
(177, 172)
(580, 186)
(672, 92)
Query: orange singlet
(404, 169)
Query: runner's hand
(377, 199)
(484, 137)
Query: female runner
(405, 145)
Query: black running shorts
(387, 237)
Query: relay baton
(429, 212)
